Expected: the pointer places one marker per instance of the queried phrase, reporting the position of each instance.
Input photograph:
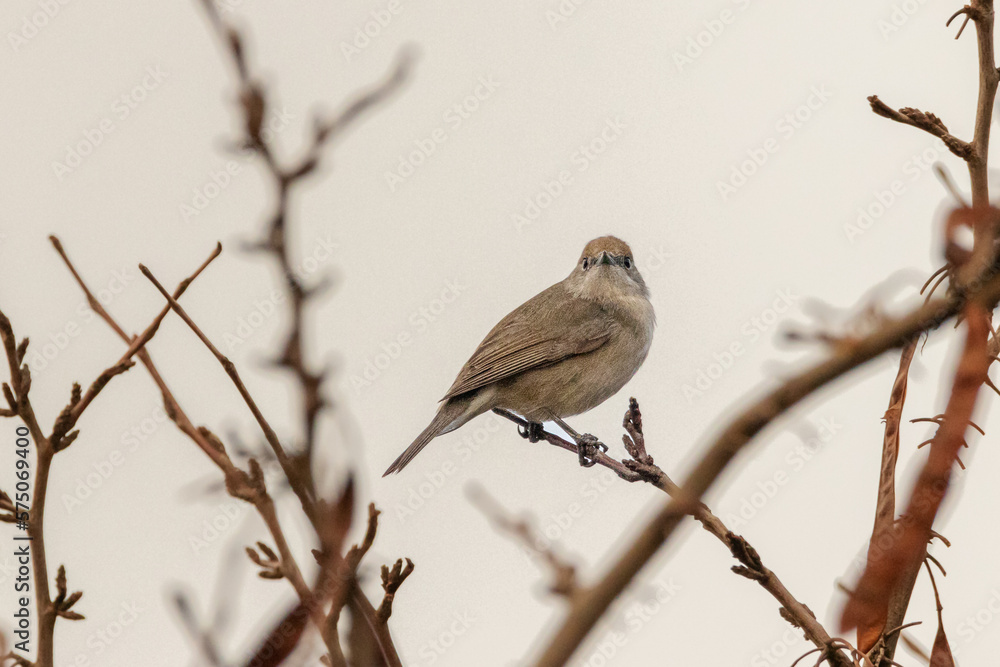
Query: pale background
(448, 231)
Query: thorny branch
(871, 597)
(975, 152)
(963, 266)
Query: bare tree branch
(870, 600)
(588, 608)
(641, 467)
(885, 509)
(17, 394)
(927, 122)
(564, 581)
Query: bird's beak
(606, 258)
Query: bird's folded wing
(537, 334)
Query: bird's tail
(452, 414)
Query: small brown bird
(563, 352)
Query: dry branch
(964, 267)
(641, 467)
(925, 121)
(17, 395)
(564, 581)
(885, 509)
(941, 655)
(870, 601)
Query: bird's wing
(539, 333)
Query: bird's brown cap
(609, 244)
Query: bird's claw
(531, 433)
(587, 446)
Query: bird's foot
(587, 447)
(533, 432)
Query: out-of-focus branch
(885, 509)
(563, 572)
(254, 104)
(202, 638)
(297, 464)
(870, 599)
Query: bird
(561, 353)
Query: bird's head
(607, 270)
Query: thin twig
(563, 572)
(641, 468)
(927, 122)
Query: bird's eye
(627, 262)
(585, 263)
